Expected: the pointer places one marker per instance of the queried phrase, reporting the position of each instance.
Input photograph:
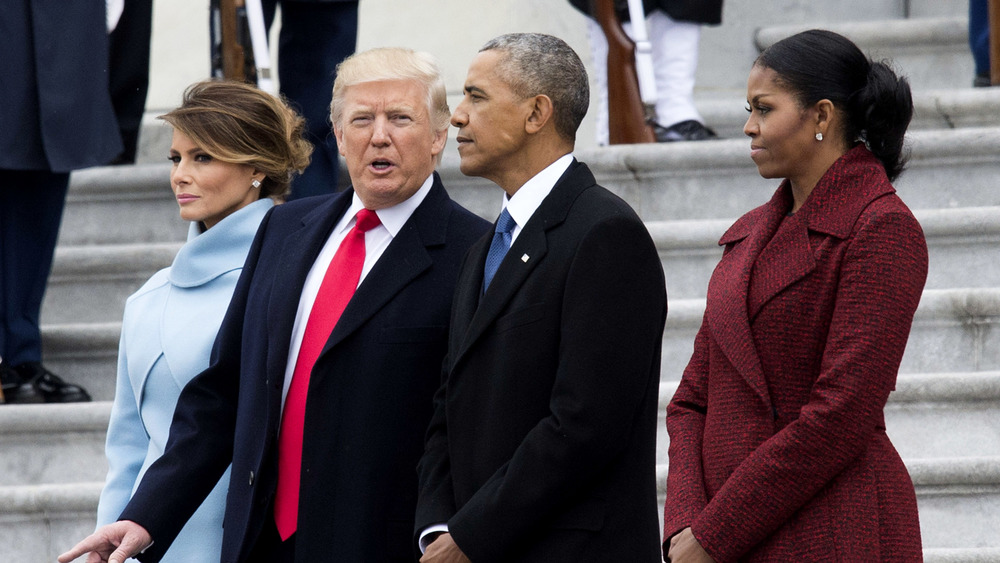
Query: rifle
(628, 121)
(238, 46)
(994, 23)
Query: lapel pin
(524, 258)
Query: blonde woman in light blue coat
(234, 152)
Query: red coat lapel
(727, 290)
(832, 209)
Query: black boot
(49, 387)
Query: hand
(113, 543)
(684, 548)
(443, 550)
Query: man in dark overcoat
(542, 446)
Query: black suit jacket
(369, 399)
(542, 446)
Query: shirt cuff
(425, 540)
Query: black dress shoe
(689, 130)
(49, 387)
(16, 389)
(982, 81)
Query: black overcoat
(542, 446)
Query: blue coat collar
(223, 248)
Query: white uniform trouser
(675, 59)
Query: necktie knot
(505, 223)
(367, 220)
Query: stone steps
(959, 503)
(48, 444)
(957, 239)
(949, 168)
(954, 330)
(932, 52)
(932, 109)
(42, 521)
(121, 204)
(43, 496)
(89, 283)
(716, 179)
(928, 416)
(935, 415)
(84, 353)
(936, 8)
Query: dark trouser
(979, 35)
(315, 37)
(31, 207)
(128, 71)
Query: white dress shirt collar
(529, 196)
(392, 218)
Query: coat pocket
(413, 334)
(521, 317)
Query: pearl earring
(819, 136)
(255, 183)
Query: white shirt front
(376, 241)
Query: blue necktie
(499, 247)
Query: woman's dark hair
(875, 102)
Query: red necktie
(335, 292)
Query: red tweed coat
(778, 450)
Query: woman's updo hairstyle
(876, 103)
(239, 123)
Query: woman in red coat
(778, 450)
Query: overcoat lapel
(468, 290)
(525, 254)
(403, 260)
(832, 209)
(298, 253)
(785, 259)
(728, 287)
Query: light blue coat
(168, 331)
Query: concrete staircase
(121, 225)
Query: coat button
(251, 478)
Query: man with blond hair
(321, 380)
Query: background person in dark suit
(56, 117)
(315, 36)
(370, 390)
(778, 450)
(542, 445)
